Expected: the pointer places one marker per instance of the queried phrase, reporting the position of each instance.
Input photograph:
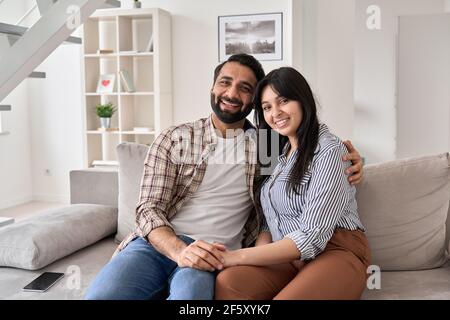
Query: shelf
(120, 132)
(135, 54)
(137, 93)
(91, 94)
(101, 55)
(120, 54)
(100, 131)
(101, 94)
(138, 132)
(127, 33)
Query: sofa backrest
(404, 205)
(131, 158)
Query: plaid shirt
(174, 169)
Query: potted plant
(105, 112)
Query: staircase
(22, 49)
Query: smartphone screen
(43, 282)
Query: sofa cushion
(80, 269)
(36, 242)
(412, 285)
(447, 239)
(131, 158)
(404, 205)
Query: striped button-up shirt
(174, 169)
(324, 201)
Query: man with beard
(196, 191)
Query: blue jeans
(140, 272)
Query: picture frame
(260, 35)
(106, 83)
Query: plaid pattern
(174, 169)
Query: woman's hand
(230, 257)
(356, 170)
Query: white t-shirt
(220, 207)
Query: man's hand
(201, 255)
(230, 257)
(356, 170)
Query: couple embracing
(214, 222)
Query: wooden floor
(26, 210)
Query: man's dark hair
(246, 60)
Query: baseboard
(15, 202)
(52, 198)
(36, 197)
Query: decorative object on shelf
(105, 112)
(127, 81)
(258, 34)
(106, 83)
(137, 4)
(143, 129)
(149, 47)
(105, 51)
(107, 129)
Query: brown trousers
(339, 272)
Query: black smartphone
(43, 282)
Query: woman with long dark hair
(313, 244)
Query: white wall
(195, 47)
(56, 113)
(15, 165)
(44, 125)
(423, 107)
(375, 77)
(328, 43)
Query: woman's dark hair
(246, 60)
(290, 84)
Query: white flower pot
(105, 122)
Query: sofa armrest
(95, 186)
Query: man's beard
(228, 117)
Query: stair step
(37, 42)
(37, 75)
(111, 4)
(14, 30)
(5, 108)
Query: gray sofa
(404, 205)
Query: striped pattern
(174, 169)
(325, 199)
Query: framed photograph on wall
(260, 35)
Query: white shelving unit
(127, 33)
